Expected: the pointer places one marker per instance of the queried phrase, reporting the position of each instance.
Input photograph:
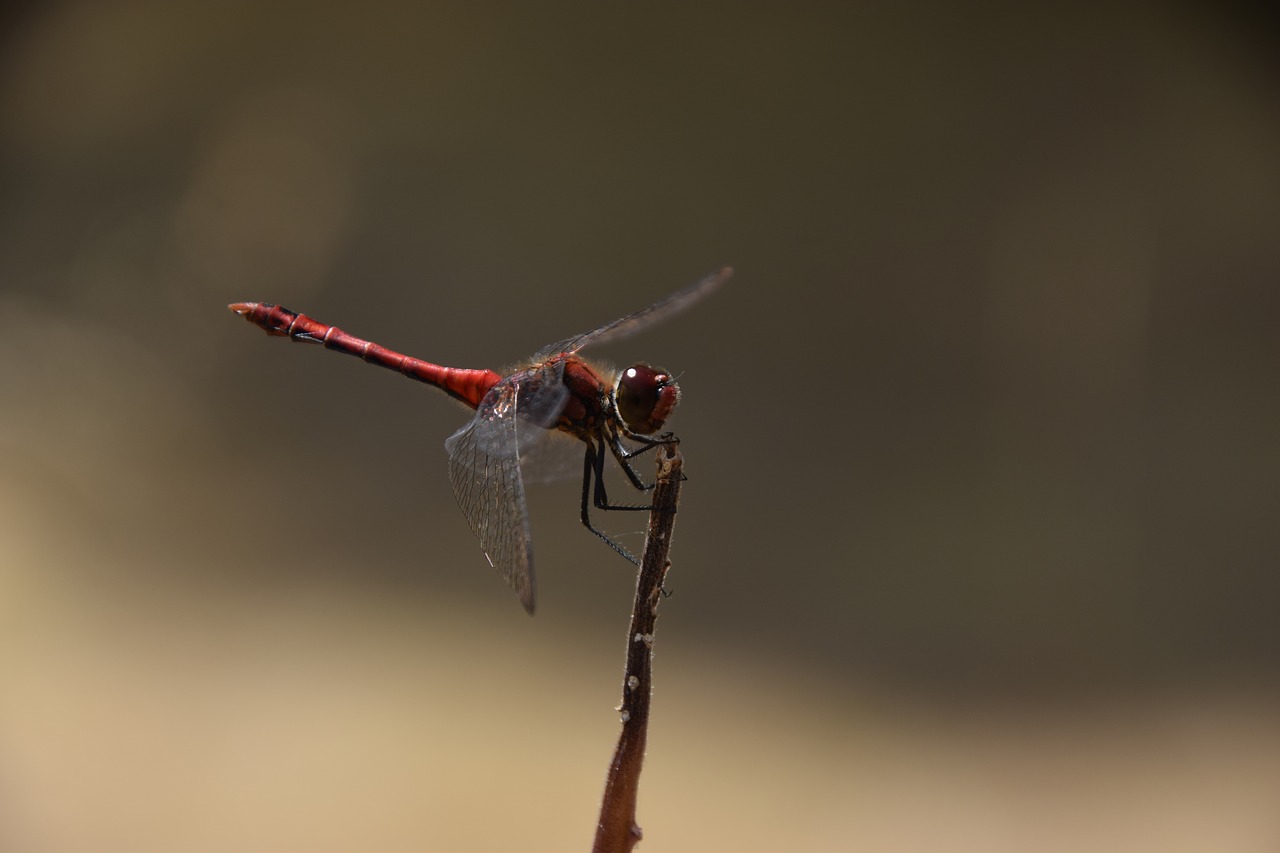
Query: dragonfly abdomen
(465, 384)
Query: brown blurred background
(978, 549)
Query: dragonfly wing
(490, 492)
(632, 323)
(549, 456)
(540, 396)
(484, 469)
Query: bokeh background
(978, 549)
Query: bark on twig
(617, 831)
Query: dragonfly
(614, 414)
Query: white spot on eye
(631, 373)
(632, 682)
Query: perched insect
(556, 390)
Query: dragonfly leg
(601, 497)
(593, 469)
(623, 455)
(649, 441)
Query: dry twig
(617, 831)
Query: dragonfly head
(645, 397)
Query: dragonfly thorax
(645, 397)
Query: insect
(555, 390)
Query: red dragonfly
(556, 390)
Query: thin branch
(617, 831)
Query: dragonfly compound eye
(646, 397)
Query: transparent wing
(632, 323)
(549, 456)
(484, 470)
(491, 494)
